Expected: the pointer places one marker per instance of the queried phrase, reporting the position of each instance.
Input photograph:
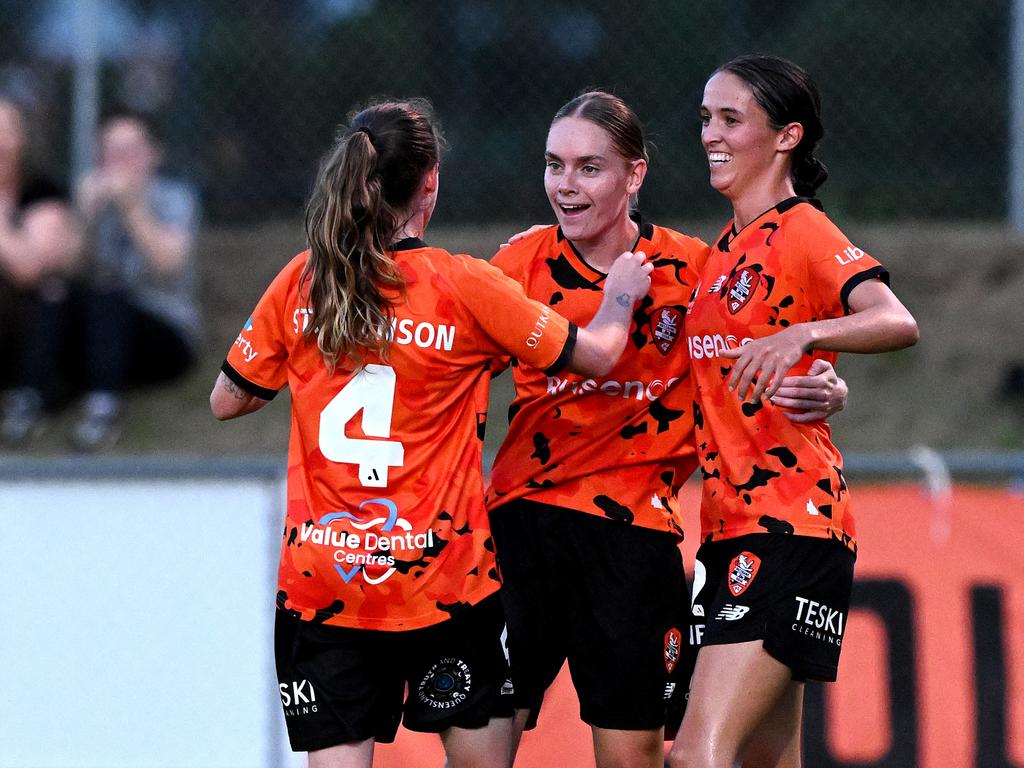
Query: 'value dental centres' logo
(367, 547)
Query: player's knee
(697, 754)
(676, 758)
(488, 747)
(638, 752)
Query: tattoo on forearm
(234, 390)
(624, 300)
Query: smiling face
(746, 154)
(588, 182)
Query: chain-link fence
(248, 94)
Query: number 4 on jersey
(371, 391)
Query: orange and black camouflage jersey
(386, 526)
(618, 447)
(762, 472)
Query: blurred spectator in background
(130, 319)
(39, 246)
(140, 315)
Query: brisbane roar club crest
(740, 289)
(742, 571)
(666, 325)
(673, 646)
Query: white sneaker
(22, 416)
(99, 425)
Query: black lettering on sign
(891, 601)
(988, 626)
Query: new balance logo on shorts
(732, 612)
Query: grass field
(964, 283)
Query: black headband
(367, 131)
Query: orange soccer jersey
(763, 473)
(620, 446)
(385, 525)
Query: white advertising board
(137, 624)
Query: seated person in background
(39, 245)
(140, 316)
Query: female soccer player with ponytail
(775, 568)
(582, 494)
(387, 574)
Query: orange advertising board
(932, 674)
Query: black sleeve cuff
(567, 350)
(243, 383)
(879, 272)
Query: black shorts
(609, 597)
(341, 685)
(792, 592)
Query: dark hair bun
(809, 174)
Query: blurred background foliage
(249, 94)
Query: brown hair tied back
(788, 94)
(364, 186)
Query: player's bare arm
(525, 233)
(878, 323)
(599, 345)
(228, 400)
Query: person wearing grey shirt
(141, 320)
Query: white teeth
(573, 207)
(719, 157)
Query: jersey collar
(645, 231)
(407, 244)
(731, 234)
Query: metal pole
(276, 495)
(1015, 180)
(85, 112)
